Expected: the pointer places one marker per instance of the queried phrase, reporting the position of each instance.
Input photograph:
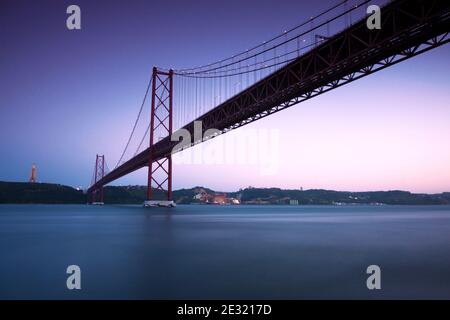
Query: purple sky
(67, 95)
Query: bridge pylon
(99, 173)
(160, 169)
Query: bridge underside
(409, 27)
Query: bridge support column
(159, 184)
(99, 173)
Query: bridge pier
(159, 203)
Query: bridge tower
(99, 173)
(160, 169)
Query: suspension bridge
(332, 48)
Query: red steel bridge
(329, 50)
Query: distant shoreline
(238, 205)
(46, 193)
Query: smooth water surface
(211, 252)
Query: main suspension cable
(265, 42)
(248, 57)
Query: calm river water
(211, 252)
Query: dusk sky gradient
(67, 95)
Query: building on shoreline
(214, 198)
